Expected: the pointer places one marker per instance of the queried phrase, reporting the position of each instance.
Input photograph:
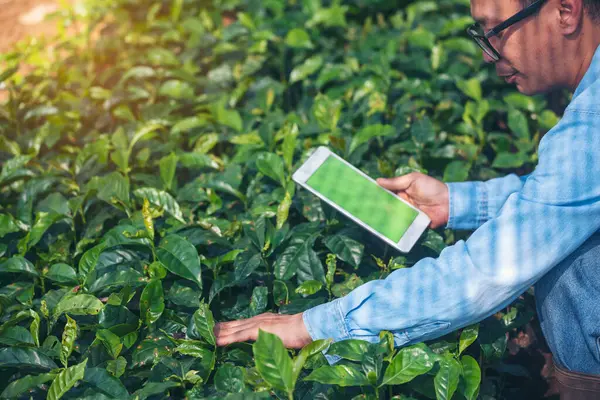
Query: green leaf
(446, 379)
(467, 337)
(298, 38)
(152, 302)
(168, 167)
(230, 118)
(154, 388)
(147, 215)
(246, 263)
(471, 88)
(517, 123)
(116, 367)
(341, 375)
(422, 131)
(347, 249)
(8, 225)
(259, 300)
(205, 323)
(457, 171)
(308, 351)
(113, 188)
(509, 160)
(520, 101)
(471, 376)
(547, 119)
(161, 199)
(327, 112)
(62, 274)
(101, 380)
(350, 349)
(119, 276)
(65, 380)
(309, 67)
(273, 362)
(7, 73)
(79, 304)
(369, 132)
(421, 38)
(150, 350)
(17, 388)
(297, 256)
(43, 221)
(230, 379)
(288, 147)
(18, 264)
(176, 89)
(334, 16)
(16, 336)
(181, 258)
(283, 210)
(308, 288)
(68, 340)
(20, 357)
(111, 342)
(271, 165)
(409, 363)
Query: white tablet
(361, 199)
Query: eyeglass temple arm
(515, 18)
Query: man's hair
(591, 7)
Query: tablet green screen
(364, 199)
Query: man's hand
(290, 328)
(424, 192)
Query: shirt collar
(591, 76)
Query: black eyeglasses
(482, 39)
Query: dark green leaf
(68, 340)
(104, 382)
(230, 379)
(181, 258)
(446, 379)
(17, 388)
(471, 376)
(271, 165)
(273, 362)
(18, 265)
(347, 249)
(409, 363)
(152, 302)
(18, 357)
(467, 337)
(341, 375)
(205, 324)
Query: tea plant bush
(145, 193)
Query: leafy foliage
(145, 193)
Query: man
(542, 229)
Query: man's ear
(571, 14)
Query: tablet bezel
(310, 166)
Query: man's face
(529, 58)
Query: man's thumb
(398, 183)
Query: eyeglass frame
(474, 30)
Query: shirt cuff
(468, 205)
(326, 321)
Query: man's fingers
(224, 326)
(243, 335)
(399, 183)
(405, 197)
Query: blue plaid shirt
(523, 226)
